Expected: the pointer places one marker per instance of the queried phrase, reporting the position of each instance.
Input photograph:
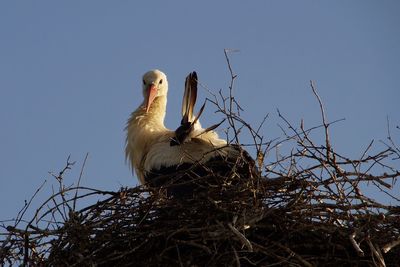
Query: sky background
(70, 74)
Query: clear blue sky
(70, 74)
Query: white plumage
(148, 141)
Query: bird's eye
(144, 82)
(160, 81)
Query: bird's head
(155, 84)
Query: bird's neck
(156, 113)
(142, 129)
(154, 118)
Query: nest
(238, 218)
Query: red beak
(151, 94)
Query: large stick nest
(315, 216)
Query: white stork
(152, 149)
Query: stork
(154, 150)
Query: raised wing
(188, 120)
(189, 97)
(188, 102)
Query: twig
(79, 181)
(241, 237)
(386, 248)
(324, 121)
(356, 246)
